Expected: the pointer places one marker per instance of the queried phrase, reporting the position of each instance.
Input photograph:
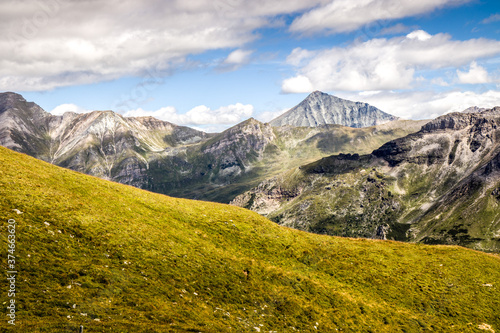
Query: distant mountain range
(114, 258)
(440, 185)
(431, 182)
(322, 109)
(162, 157)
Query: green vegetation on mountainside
(198, 174)
(117, 259)
(440, 185)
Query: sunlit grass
(117, 259)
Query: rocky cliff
(322, 109)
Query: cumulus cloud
(298, 84)
(238, 57)
(199, 115)
(348, 15)
(235, 60)
(427, 104)
(53, 43)
(475, 75)
(61, 109)
(382, 64)
(267, 116)
(419, 35)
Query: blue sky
(212, 64)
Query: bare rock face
(322, 109)
(23, 124)
(239, 146)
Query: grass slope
(117, 259)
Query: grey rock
(322, 109)
(473, 109)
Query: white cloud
(267, 116)
(396, 29)
(199, 115)
(298, 56)
(168, 113)
(235, 60)
(348, 15)
(297, 84)
(59, 110)
(383, 64)
(419, 35)
(238, 57)
(427, 104)
(492, 18)
(54, 43)
(475, 75)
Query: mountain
(322, 109)
(100, 143)
(440, 185)
(162, 157)
(114, 258)
(239, 158)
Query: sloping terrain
(439, 185)
(162, 157)
(114, 258)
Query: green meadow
(114, 258)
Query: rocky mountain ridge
(322, 109)
(176, 160)
(96, 143)
(439, 185)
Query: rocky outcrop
(321, 109)
(241, 144)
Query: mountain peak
(11, 95)
(317, 92)
(9, 100)
(473, 109)
(320, 108)
(17, 106)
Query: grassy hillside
(117, 259)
